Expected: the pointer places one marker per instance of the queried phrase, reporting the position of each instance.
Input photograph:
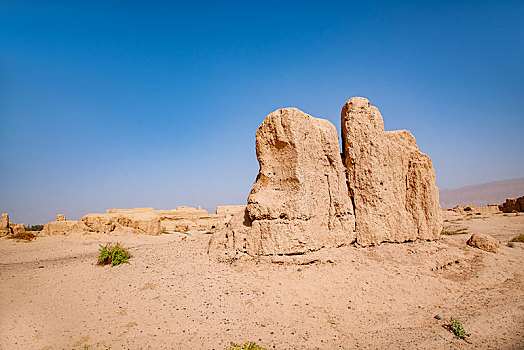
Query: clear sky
(120, 104)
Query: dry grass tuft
(246, 346)
(26, 236)
(460, 231)
(519, 238)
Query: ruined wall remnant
(473, 209)
(183, 219)
(16, 228)
(141, 221)
(299, 201)
(391, 181)
(512, 205)
(229, 210)
(62, 227)
(7, 227)
(4, 224)
(307, 197)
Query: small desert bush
(519, 238)
(458, 329)
(34, 228)
(113, 254)
(26, 236)
(246, 346)
(511, 245)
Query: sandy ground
(173, 295)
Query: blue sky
(119, 104)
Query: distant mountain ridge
(494, 192)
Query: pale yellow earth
(172, 295)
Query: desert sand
(173, 295)
(336, 248)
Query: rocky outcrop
(391, 182)
(484, 242)
(4, 224)
(512, 205)
(60, 217)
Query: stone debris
(484, 242)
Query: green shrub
(457, 329)
(246, 346)
(519, 238)
(34, 228)
(113, 254)
(511, 245)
